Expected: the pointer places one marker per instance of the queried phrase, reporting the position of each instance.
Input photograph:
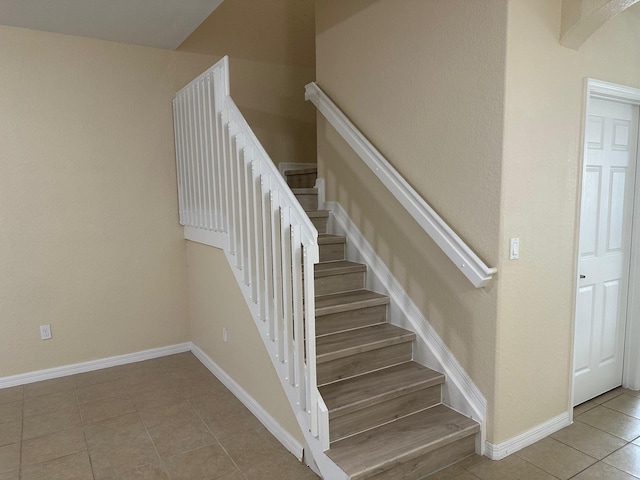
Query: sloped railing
(232, 196)
(476, 271)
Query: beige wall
(424, 80)
(215, 303)
(89, 241)
(271, 49)
(540, 187)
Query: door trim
(631, 369)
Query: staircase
(386, 418)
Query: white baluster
(309, 257)
(276, 242)
(178, 144)
(256, 227)
(268, 249)
(287, 300)
(297, 292)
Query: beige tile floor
(602, 444)
(171, 419)
(167, 419)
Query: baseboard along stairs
(386, 417)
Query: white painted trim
(631, 371)
(207, 237)
(271, 424)
(64, 371)
(284, 166)
(321, 193)
(611, 91)
(459, 391)
(478, 273)
(501, 450)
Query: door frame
(631, 358)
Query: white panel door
(604, 250)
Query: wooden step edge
(419, 381)
(328, 239)
(317, 213)
(337, 267)
(349, 329)
(380, 463)
(305, 191)
(390, 340)
(325, 384)
(350, 305)
(301, 171)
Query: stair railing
(476, 271)
(232, 196)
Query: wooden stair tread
(305, 191)
(301, 171)
(337, 267)
(379, 449)
(328, 239)
(317, 213)
(346, 301)
(351, 342)
(358, 392)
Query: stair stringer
(458, 392)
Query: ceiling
(154, 23)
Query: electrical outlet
(45, 332)
(224, 335)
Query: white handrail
(478, 273)
(231, 195)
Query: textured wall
(90, 241)
(271, 46)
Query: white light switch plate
(514, 249)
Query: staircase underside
(386, 418)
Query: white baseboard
(501, 450)
(460, 393)
(267, 420)
(39, 375)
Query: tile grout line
(84, 433)
(216, 438)
(155, 449)
(21, 435)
